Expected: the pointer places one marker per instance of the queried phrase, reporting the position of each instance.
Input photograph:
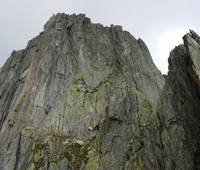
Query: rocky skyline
(84, 96)
(161, 24)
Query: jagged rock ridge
(85, 96)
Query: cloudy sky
(160, 23)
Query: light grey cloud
(160, 23)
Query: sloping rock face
(85, 96)
(179, 107)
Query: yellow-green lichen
(58, 146)
(93, 161)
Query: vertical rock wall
(85, 96)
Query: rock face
(85, 96)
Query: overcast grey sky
(160, 23)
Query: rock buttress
(85, 96)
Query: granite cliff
(84, 96)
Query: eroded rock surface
(85, 96)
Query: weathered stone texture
(85, 96)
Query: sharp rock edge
(85, 96)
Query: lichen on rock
(84, 96)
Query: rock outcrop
(85, 96)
